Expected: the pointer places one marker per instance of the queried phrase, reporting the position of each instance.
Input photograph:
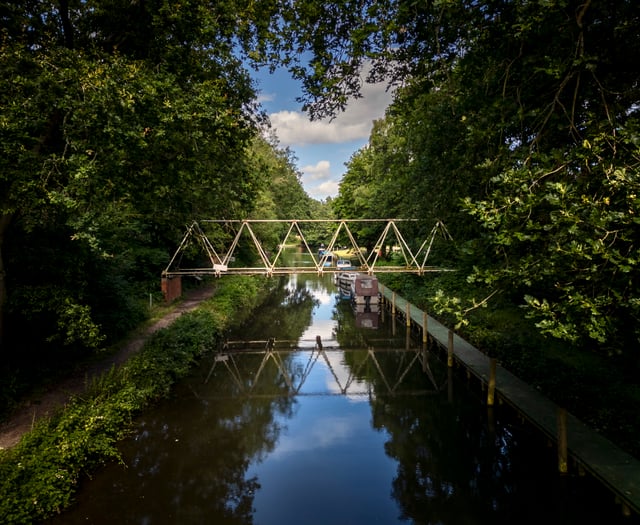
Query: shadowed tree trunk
(5, 219)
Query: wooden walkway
(617, 470)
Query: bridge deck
(290, 270)
(616, 469)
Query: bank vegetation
(40, 475)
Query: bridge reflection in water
(292, 366)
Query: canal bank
(39, 475)
(588, 450)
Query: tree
(121, 121)
(539, 141)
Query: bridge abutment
(171, 288)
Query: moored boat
(344, 280)
(344, 264)
(364, 289)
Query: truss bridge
(223, 247)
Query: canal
(366, 427)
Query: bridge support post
(171, 288)
(450, 350)
(492, 382)
(563, 462)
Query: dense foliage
(120, 123)
(516, 123)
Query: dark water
(369, 429)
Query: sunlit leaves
(76, 326)
(520, 128)
(572, 242)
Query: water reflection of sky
(329, 466)
(330, 374)
(328, 451)
(322, 323)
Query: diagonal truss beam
(221, 254)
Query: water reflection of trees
(452, 466)
(188, 461)
(222, 429)
(291, 308)
(347, 333)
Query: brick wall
(171, 288)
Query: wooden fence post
(492, 382)
(563, 462)
(425, 329)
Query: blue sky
(321, 147)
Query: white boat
(344, 264)
(326, 258)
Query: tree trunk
(5, 219)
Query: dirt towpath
(23, 418)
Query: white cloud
(321, 171)
(295, 129)
(322, 191)
(317, 180)
(266, 97)
(334, 141)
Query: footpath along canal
(367, 427)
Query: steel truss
(233, 235)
